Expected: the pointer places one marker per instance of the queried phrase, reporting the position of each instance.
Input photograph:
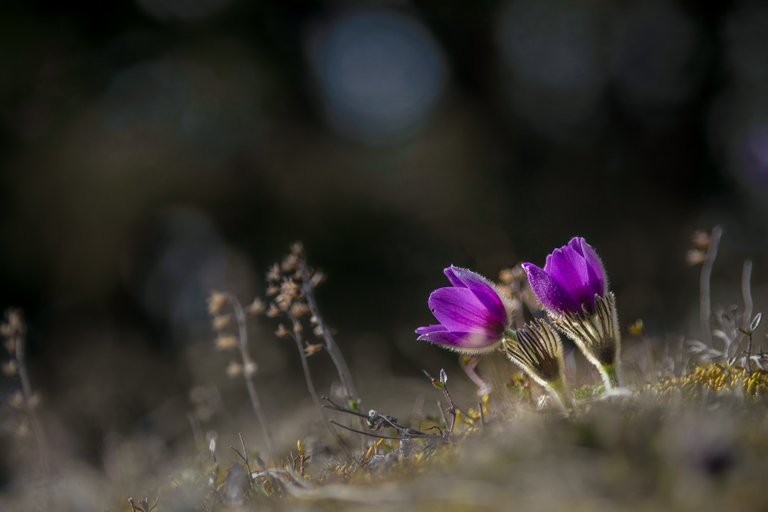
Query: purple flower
(472, 314)
(571, 278)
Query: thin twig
(746, 291)
(375, 421)
(482, 414)
(345, 376)
(749, 352)
(295, 333)
(363, 432)
(19, 335)
(248, 370)
(705, 308)
(244, 457)
(196, 433)
(442, 385)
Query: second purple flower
(473, 317)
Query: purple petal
(458, 309)
(549, 291)
(597, 276)
(450, 273)
(571, 271)
(483, 290)
(429, 328)
(469, 342)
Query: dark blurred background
(153, 150)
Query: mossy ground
(697, 442)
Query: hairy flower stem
(559, 391)
(469, 365)
(609, 376)
(248, 369)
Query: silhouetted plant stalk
(441, 383)
(309, 281)
(730, 325)
(290, 290)
(296, 333)
(711, 246)
(14, 333)
(247, 366)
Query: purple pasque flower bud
(537, 350)
(473, 315)
(573, 288)
(572, 277)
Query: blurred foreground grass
(697, 442)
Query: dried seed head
(221, 321)
(14, 323)
(318, 331)
(290, 287)
(297, 248)
(216, 302)
(16, 400)
(256, 307)
(701, 240)
(317, 278)
(290, 263)
(283, 302)
(34, 400)
(297, 328)
(23, 429)
(281, 331)
(249, 369)
(225, 343)
(695, 257)
(10, 369)
(507, 276)
(234, 369)
(273, 311)
(272, 290)
(312, 349)
(299, 309)
(274, 273)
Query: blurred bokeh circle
(379, 73)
